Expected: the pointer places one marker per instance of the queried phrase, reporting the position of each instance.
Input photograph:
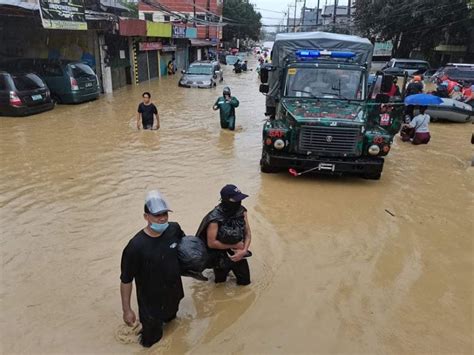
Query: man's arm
(129, 316)
(240, 254)
(216, 106)
(139, 120)
(213, 243)
(234, 102)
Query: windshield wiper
(338, 94)
(306, 92)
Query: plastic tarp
(286, 44)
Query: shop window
(167, 18)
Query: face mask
(159, 227)
(231, 207)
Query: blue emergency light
(310, 54)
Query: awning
(132, 27)
(19, 3)
(114, 4)
(202, 43)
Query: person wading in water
(226, 231)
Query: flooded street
(340, 265)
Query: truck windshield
(324, 83)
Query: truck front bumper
(359, 165)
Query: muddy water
(340, 265)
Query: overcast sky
(273, 10)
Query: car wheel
(55, 99)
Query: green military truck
(322, 117)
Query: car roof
(410, 60)
(16, 73)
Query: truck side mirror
(264, 70)
(264, 88)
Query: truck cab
(322, 116)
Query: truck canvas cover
(288, 43)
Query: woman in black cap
(226, 232)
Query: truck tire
(372, 176)
(267, 169)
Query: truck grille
(329, 140)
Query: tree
(133, 7)
(411, 24)
(243, 21)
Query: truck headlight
(374, 150)
(279, 144)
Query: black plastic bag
(192, 254)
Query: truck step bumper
(326, 165)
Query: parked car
(23, 94)
(202, 74)
(460, 65)
(459, 74)
(408, 65)
(69, 81)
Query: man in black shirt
(147, 116)
(151, 259)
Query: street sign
(63, 14)
(150, 46)
(179, 31)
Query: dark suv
(23, 94)
(69, 81)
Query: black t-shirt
(153, 263)
(147, 112)
(414, 88)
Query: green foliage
(246, 22)
(415, 23)
(133, 7)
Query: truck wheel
(267, 169)
(372, 176)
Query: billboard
(63, 14)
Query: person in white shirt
(417, 131)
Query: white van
(408, 65)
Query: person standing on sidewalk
(147, 115)
(151, 259)
(226, 105)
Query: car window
(51, 69)
(80, 70)
(200, 69)
(3, 83)
(27, 82)
(411, 65)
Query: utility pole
(302, 16)
(335, 11)
(349, 15)
(194, 12)
(317, 16)
(288, 20)
(208, 8)
(294, 19)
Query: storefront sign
(168, 49)
(179, 32)
(150, 46)
(64, 15)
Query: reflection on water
(331, 267)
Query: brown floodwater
(340, 265)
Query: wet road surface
(341, 265)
